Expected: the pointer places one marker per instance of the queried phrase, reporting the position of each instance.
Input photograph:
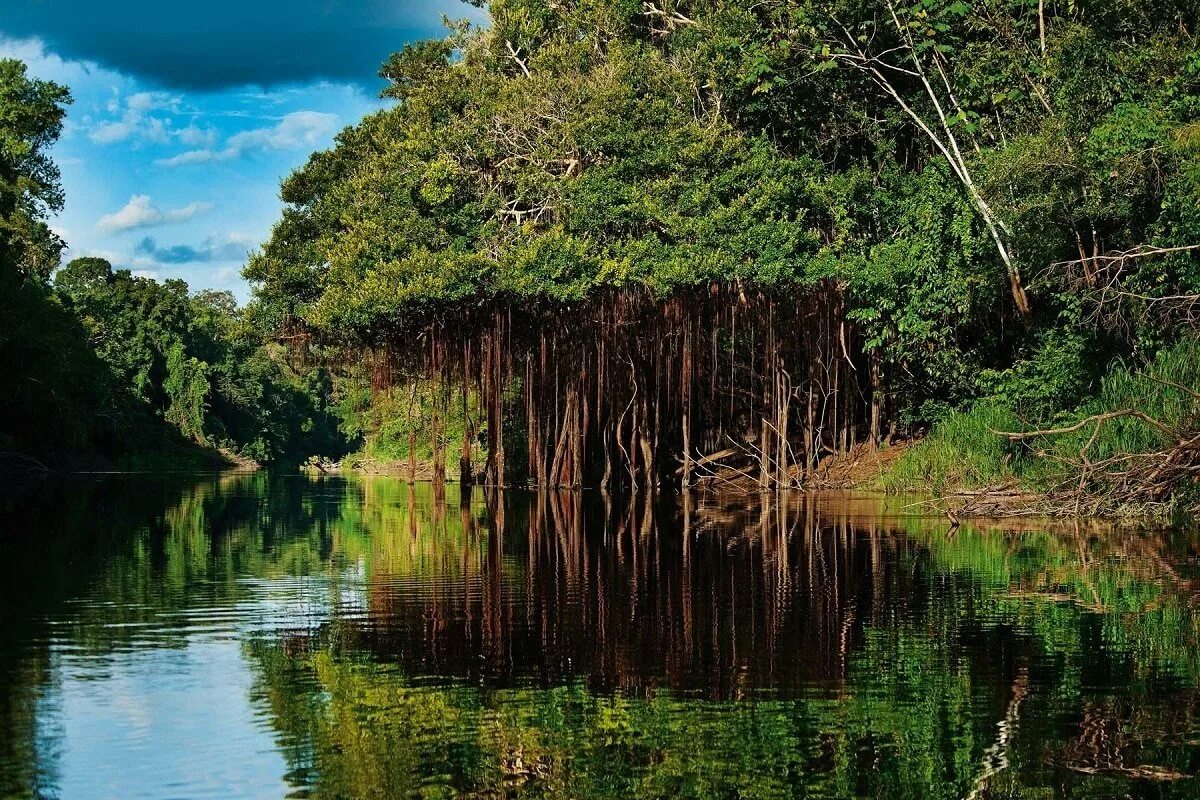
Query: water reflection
(362, 638)
(551, 587)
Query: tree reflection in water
(404, 641)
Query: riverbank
(879, 471)
(961, 485)
(862, 469)
(420, 470)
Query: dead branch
(514, 54)
(670, 19)
(1095, 418)
(1121, 256)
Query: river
(266, 635)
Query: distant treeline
(123, 370)
(102, 367)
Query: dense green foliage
(1003, 192)
(48, 372)
(389, 426)
(569, 148)
(964, 450)
(200, 362)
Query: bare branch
(1095, 418)
(514, 54)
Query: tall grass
(963, 451)
(1162, 390)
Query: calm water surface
(270, 636)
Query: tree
(31, 116)
(83, 276)
(46, 364)
(905, 52)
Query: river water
(278, 636)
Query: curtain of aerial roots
(721, 383)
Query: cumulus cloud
(140, 212)
(195, 136)
(136, 118)
(233, 249)
(110, 132)
(142, 102)
(299, 129)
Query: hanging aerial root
(630, 389)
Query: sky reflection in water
(270, 636)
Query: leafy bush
(963, 450)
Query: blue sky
(186, 116)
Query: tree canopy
(982, 185)
(566, 148)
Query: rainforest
(644, 245)
(639, 245)
(600, 399)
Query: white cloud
(136, 119)
(195, 136)
(111, 132)
(143, 102)
(297, 130)
(190, 157)
(187, 212)
(157, 131)
(140, 212)
(48, 66)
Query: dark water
(260, 636)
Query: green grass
(963, 451)
(383, 422)
(1160, 390)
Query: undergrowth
(386, 424)
(963, 451)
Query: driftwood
(711, 458)
(1148, 481)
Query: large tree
(31, 117)
(46, 366)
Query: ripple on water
(333, 639)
